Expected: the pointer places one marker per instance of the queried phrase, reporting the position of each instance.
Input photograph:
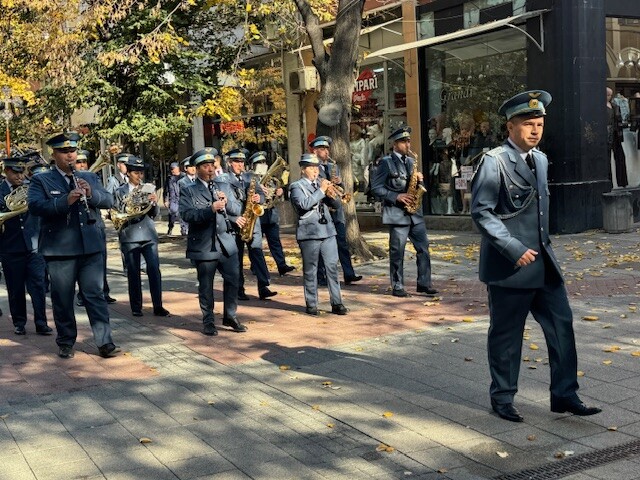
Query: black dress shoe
(44, 330)
(339, 309)
(80, 301)
(108, 350)
(507, 411)
(266, 293)
(20, 331)
(161, 312)
(286, 269)
(210, 329)
(136, 313)
(402, 293)
(311, 311)
(560, 405)
(427, 290)
(242, 296)
(66, 351)
(350, 280)
(110, 299)
(234, 324)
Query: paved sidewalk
(396, 389)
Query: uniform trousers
(271, 231)
(87, 270)
(258, 265)
(398, 235)
(132, 253)
(25, 270)
(312, 251)
(343, 254)
(228, 268)
(509, 308)
(174, 216)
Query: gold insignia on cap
(533, 103)
(534, 94)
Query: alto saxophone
(416, 188)
(252, 211)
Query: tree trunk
(338, 71)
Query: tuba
(16, 202)
(416, 189)
(252, 211)
(135, 204)
(274, 179)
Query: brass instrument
(336, 191)
(135, 204)
(100, 163)
(416, 189)
(16, 203)
(274, 179)
(251, 213)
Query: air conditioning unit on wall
(304, 80)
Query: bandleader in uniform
(24, 268)
(138, 237)
(71, 242)
(390, 183)
(510, 206)
(210, 208)
(316, 234)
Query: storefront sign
(366, 83)
(232, 127)
(456, 94)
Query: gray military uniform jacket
(391, 177)
(140, 229)
(210, 236)
(329, 170)
(311, 205)
(510, 206)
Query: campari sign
(366, 83)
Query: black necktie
(530, 162)
(327, 170)
(314, 185)
(404, 159)
(70, 181)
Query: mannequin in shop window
(441, 176)
(358, 156)
(615, 137)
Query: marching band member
(71, 243)
(24, 268)
(330, 171)
(316, 233)
(270, 221)
(138, 237)
(240, 183)
(211, 208)
(187, 179)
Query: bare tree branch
(314, 30)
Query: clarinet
(83, 199)
(223, 211)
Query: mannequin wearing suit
(71, 242)
(24, 268)
(138, 237)
(510, 207)
(211, 210)
(316, 234)
(390, 183)
(240, 182)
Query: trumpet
(335, 191)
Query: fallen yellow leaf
(591, 318)
(580, 373)
(607, 362)
(533, 346)
(635, 354)
(330, 425)
(326, 383)
(531, 438)
(503, 454)
(612, 429)
(285, 367)
(442, 470)
(315, 407)
(145, 440)
(387, 414)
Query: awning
(469, 32)
(364, 31)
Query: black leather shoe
(286, 269)
(161, 312)
(242, 295)
(234, 324)
(80, 301)
(136, 313)
(110, 299)
(339, 309)
(210, 329)
(45, 330)
(266, 293)
(311, 311)
(350, 280)
(560, 405)
(108, 350)
(507, 411)
(399, 293)
(66, 351)
(20, 331)
(427, 290)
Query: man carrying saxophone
(247, 190)
(390, 184)
(138, 236)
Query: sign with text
(366, 83)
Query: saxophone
(416, 189)
(135, 204)
(252, 211)
(273, 180)
(16, 202)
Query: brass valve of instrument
(336, 191)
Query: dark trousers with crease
(398, 235)
(132, 254)
(271, 231)
(25, 271)
(228, 268)
(258, 265)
